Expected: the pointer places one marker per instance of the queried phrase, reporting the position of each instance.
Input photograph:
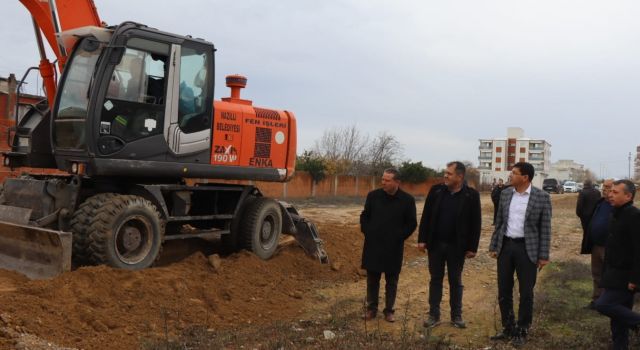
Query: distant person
(388, 219)
(520, 242)
(587, 200)
(594, 238)
(621, 273)
(449, 231)
(495, 198)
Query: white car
(570, 186)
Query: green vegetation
(415, 172)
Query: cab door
(188, 130)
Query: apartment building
(636, 165)
(498, 155)
(567, 169)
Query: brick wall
(302, 186)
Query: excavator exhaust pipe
(36, 252)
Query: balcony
(485, 146)
(533, 147)
(485, 156)
(484, 167)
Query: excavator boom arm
(55, 16)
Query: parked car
(580, 186)
(570, 186)
(552, 186)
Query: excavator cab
(144, 95)
(127, 93)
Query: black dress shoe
(506, 334)
(519, 340)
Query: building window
(498, 149)
(522, 159)
(522, 150)
(498, 159)
(498, 169)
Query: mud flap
(304, 231)
(35, 252)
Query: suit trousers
(617, 304)
(441, 254)
(373, 290)
(513, 258)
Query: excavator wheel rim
(261, 227)
(137, 228)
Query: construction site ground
(104, 308)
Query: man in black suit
(621, 274)
(449, 231)
(388, 219)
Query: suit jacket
(586, 247)
(468, 218)
(537, 224)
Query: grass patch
(561, 320)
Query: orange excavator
(130, 119)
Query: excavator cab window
(73, 96)
(193, 92)
(134, 104)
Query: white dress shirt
(517, 211)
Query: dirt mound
(100, 307)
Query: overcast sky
(438, 75)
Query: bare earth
(103, 308)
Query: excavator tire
(232, 241)
(80, 222)
(261, 227)
(125, 232)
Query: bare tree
(384, 151)
(344, 148)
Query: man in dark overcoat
(388, 219)
(495, 198)
(585, 206)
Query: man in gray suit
(520, 242)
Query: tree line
(350, 151)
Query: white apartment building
(566, 169)
(498, 155)
(636, 165)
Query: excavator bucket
(36, 252)
(305, 233)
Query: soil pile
(99, 307)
